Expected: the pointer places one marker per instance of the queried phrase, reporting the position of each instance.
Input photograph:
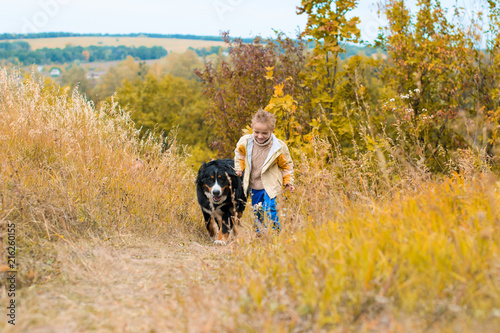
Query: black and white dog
(221, 198)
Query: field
(110, 238)
(170, 44)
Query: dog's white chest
(215, 212)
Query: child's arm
(285, 163)
(239, 157)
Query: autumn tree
(442, 71)
(177, 64)
(127, 69)
(490, 80)
(86, 55)
(237, 86)
(307, 91)
(168, 103)
(330, 29)
(76, 77)
(436, 93)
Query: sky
(243, 18)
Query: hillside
(385, 169)
(109, 236)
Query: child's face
(261, 132)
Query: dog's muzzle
(216, 192)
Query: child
(268, 165)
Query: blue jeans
(268, 207)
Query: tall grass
(69, 170)
(368, 243)
(362, 247)
(373, 241)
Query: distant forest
(205, 51)
(20, 53)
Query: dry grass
(70, 171)
(377, 244)
(416, 262)
(139, 285)
(170, 44)
(110, 235)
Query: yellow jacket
(277, 169)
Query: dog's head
(217, 179)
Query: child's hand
(290, 187)
(239, 173)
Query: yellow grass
(170, 44)
(110, 237)
(68, 171)
(416, 262)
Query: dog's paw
(219, 242)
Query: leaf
(278, 90)
(269, 73)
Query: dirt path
(154, 287)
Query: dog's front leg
(212, 228)
(225, 227)
(210, 223)
(222, 238)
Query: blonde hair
(264, 117)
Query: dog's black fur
(221, 198)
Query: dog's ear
(230, 170)
(200, 171)
(202, 167)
